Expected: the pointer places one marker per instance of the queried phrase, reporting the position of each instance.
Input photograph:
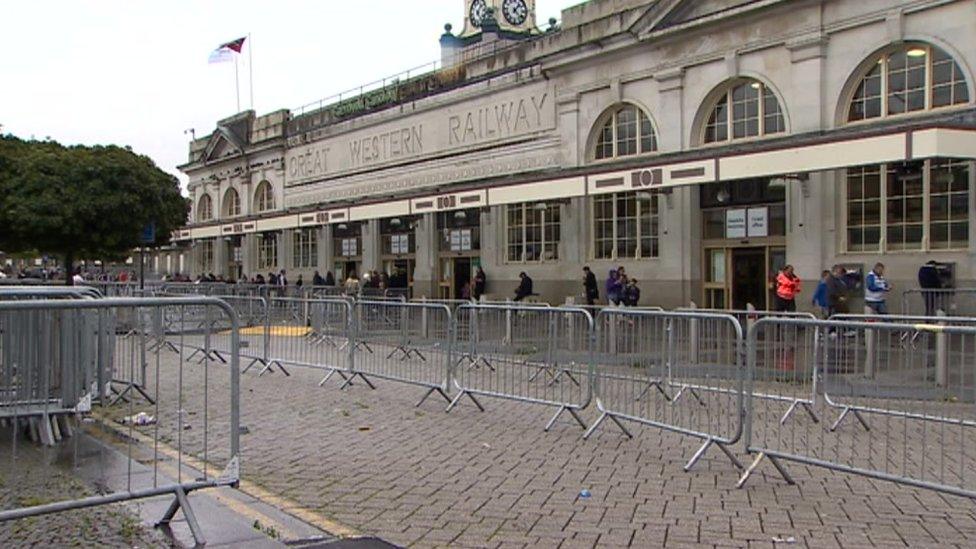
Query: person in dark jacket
(928, 279)
(329, 279)
(590, 289)
(317, 279)
(614, 287)
(525, 287)
(480, 283)
(631, 293)
(837, 291)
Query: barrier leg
(458, 398)
(755, 463)
(656, 385)
(183, 502)
(603, 417)
(572, 412)
(843, 415)
(431, 391)
(349, 380)
(704, 448)
(329, 375)
(799, 404)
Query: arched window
(626, 131)
(909, 78)
(205, 208)
(232, 203)
(748, 108)
(264, 197)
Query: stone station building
(699, 144)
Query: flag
(225, 52)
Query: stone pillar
(249, 254)
(221, 256)
(425, 270)
(286, 248)
(324, 236)
(371, 245)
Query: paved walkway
(420, 477)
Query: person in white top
(77, 279)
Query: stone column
(249, 254)
(425, 270)
(286, 238)
(221, 256)
(371, 245)
(324, 236)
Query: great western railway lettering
(382, 147)
(500, 120)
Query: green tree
(83, 202)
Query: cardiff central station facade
(701, 145)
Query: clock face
(479, 9)
(516, 11)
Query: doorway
(462, 275)
(749, 285)
(346, 269)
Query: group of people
(833, 292)
(621, 289)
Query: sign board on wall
(758, 222)
(735, 224)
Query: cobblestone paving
(34, 478)
(420, 477)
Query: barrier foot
(657, 385)
(755, 463)
(329, 375)
(799, 404)
(843, 415)
(251, 365)
(431, 391)
(571, 411)
(568, 374)
(681, 391)
(181, 501)
(603, 417)
(458, 398)
(704, 448)
(348, 381)
(218, 356)
(172, 347)
(123, 394)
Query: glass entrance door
(749, 280)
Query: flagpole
(237, 85)
(250, 66)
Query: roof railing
(420, 70)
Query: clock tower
(513, 16)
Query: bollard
(870, 349)
(941, 356)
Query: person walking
(876, 289)
(820, 294)
(788, 286)
(590, 289)
(480, 284)
(524, 289)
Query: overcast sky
(135, 72)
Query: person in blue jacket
(876, 289)
(820, 294)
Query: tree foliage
(83, 202)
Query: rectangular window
(864, 209)
(922, 202)
(268, 251)
(305, 249)
(206, 255)
(533, 232)
(905, 205)
(949, 205)
(398, 236)
(625, 226)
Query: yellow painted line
(938, 328)
(281, 331)
(291, 507)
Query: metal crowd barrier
(951, 301)
(907, 389)
(309, 333)
(59, 346)
(406, 342)
(9, 293)
(540, 355)
(678, 371)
